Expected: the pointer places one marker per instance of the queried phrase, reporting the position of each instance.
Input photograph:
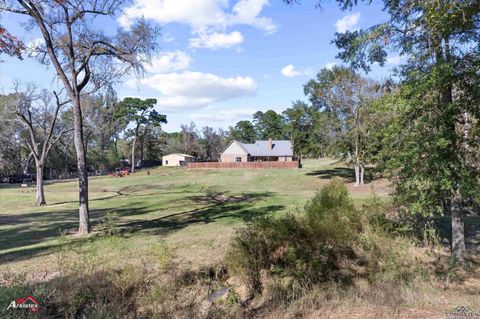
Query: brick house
(259, 151)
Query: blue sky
(219, 61)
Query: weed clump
(330, 241)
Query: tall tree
(441, 40)
(173, 143)
(141, 113)
(269, 124)
(83, 56)
(299, 123)
(152, 143)
(243, 131)
(12, 157)
(348, 95)
(40, 118)
(213, 142)
(102, 129)
(191, 140)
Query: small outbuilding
(177, 159)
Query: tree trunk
(83, 211)
(456, 203)
(362, 174)
(458, 229)
(27, 163)
(356, 160)
(133, 154)
(142, 145)
(40, 192)
(357, 173)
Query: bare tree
(36, 113)
(84, 56)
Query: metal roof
(179, 154)
(261, 148)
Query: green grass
(194, 211)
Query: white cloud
(168, 62)
(205, 17)
(168, 37)
(216, 40)
(248, 12)
(290, 71)
(197, 14)
(34, 46)
(223, 115)
(394, 60)
(347, 23)
(330, 65)
(188, 89)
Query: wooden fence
(251, 165)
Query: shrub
(109, 224)
(330, 240)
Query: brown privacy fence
(251, 165)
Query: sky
(220, 61)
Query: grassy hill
(186, 218)
(194, 211)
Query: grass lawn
(188, 216)
(195, 212)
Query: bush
(329, 240)
(109, 224)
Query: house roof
(179, 154)
(261, 148)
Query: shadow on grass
(472, 230)
(26, 229)
(342, 172)
(135, 189)
(216, 207)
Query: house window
(238, 159)
(166, 162)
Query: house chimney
(270, 144)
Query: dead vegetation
(332, 259)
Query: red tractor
(120, 172)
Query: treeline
(129, 132)
(116, 133)
(113, 131)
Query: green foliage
(433, 143)
(332, 217)
(269, 124)
(307, 129)
(14, 286)
(109, 224)
(343, 99)
(330, 239)
(431, 236)
(213, 142)
(244, 132)
(140, 111)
